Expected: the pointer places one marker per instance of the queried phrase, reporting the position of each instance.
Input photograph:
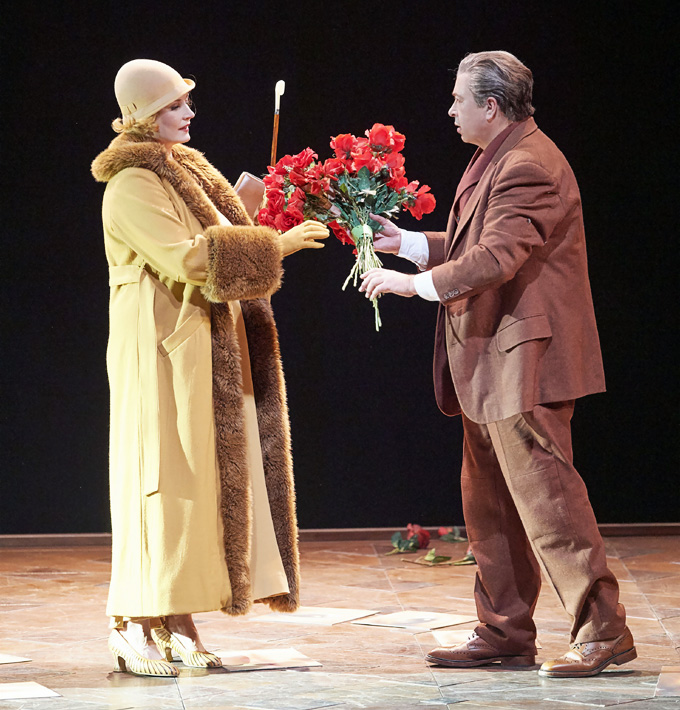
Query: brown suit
(528, 336)
(516, 343)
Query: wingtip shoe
(590, 658)
(476, 652)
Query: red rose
(283, 167)
(423, 535)
(397, 183)
(304, 158)
(275, 200)
(273, 180)
(369, 161)
(394, 161)
(384, 139)
(284, 221)
(341, 233)
(265, 218)
(343, 145)
(424, 203)
(297, 200)
(333, 167)
(297, 178)
(361, 146)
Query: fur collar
(204, 189)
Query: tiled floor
(52, 603)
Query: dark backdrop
(370, 447)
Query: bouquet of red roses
(366, 175)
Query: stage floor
(52, 611)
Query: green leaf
(364, 176)
(402, 545)
(453, 537)
(392, 201)
(469, 559)
(435, 559)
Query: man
(516, 344)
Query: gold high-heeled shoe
(127, 659)
(167, 642)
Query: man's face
(472, 120)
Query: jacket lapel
(524, 129)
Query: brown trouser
(523, 500)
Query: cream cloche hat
(145, 86)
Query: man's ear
(491, 108)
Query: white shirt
(414, 247)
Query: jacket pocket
(522, 330)
(183, 333)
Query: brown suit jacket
(516, 326)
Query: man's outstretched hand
(377, 281)
(389, 238)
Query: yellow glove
(303, 237)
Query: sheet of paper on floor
(6, 658)
(25, 690)
(262, 659)
(668, 685)
(315, 615)
(417, 620)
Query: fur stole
(244, 264)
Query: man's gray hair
(502, 76)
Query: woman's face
(173, 122)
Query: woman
(202, 499)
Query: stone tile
(664, 606)
(662, 585)
(648, 631)
(52, 611)
(672, 627)
(653, 704)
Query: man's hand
(302, 237)
(389, 238)
(377, 281)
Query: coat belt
(148, 415)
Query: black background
(370, 446)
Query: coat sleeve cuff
(425, 286)
(414, 248)
(243, 262)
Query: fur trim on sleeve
(243, 262)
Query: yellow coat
(179, 479)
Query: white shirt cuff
(414, 247)
(424, 286)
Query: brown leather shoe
(586, 659)
(475, 652)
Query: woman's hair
(144, 127)
(502, 76)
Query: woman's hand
(388, 239)
(303, 237)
